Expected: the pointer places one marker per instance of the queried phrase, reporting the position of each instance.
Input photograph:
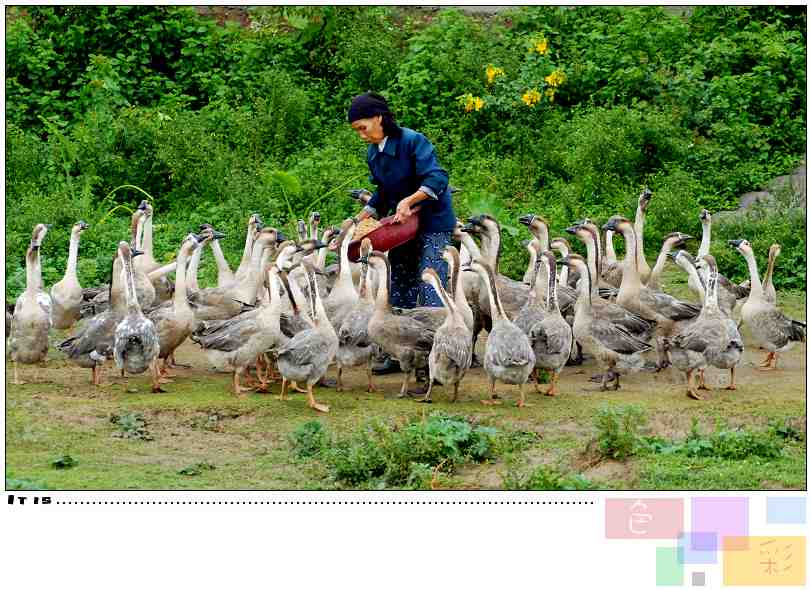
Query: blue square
(787, 510)
(697, 547)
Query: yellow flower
(550, 94)
(555, 78)
(492, 73)
(540, 45)
(531, 97)
(471, 103)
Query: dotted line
(326, 503)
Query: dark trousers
(407, 264)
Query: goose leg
(455, 392)
(283, 396)
(702, 384)
(312, 403)
(171, 363)
(427, 399)
(769, 364)
(403, 391)
(536, 379)
(156, 388)
(237, 388)
(94, 378)
(371, 388)
(339, 386)
(297, 387)
(690, 388)
(493, 397)
(733, 385)
(522, 401)
(552, 390)
(16, 375)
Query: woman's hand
(403, 211)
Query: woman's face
(370, 130)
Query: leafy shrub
(309, 439)
(545, 477)
(619, 430)
(732, 444)
(64, 462)
(132, 425)
(196, 469)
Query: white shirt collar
(381, 145)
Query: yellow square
(768, 561)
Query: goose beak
(280, 237)
(674, 254)
(572, 229)
(318, 245)
(476, 220)
(143, 206)
(468, 228)
(735, 243)
(609, 226)
(704, 215)
(526, 219)
(217, 235)
(259, 226)
(83, 225)
(136, 252)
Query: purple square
(697, 548)
(725, 517)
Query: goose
(230, 300)
(173, 320)
(403, 337)
(343, 296)
(453, 259)
(240, 340)
(672, 240)
(611, 272)
(562, 246)
(534, 309)
(66, 295)
(601, 308)
(246, 263)
(660, 307)
(451, 353)
(192, 270)
(144, 288)
(307, 355)
(28, 342)
(638, 225)
(768, 290)
(314, 221)
(566, 296)
(770, 328)
(551, 337)
(615, 349)
(146, 263)
(92, 342)
(225, 275)
(531, 268)
(509, 356)
(136, 344)
(710, 339)
(355, 345)
(728, 293)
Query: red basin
(387, 235)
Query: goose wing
(309, 347)
(508, 346)
(617, 338)
(671, 307)
(226, 335)
(455, 344)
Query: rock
(749, 199)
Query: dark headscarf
(370, 105)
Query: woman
(409, 181)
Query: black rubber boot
(386, 366)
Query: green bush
(619, 431)
(732, 444)
(309, 439)
(545, 477)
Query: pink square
(651, 518)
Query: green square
(668, 570)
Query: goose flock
(284, 314)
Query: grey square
(698, 578)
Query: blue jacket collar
(390, 149)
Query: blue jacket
(406, 164)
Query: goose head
(207, 228)
(710, 262)
(531, 220)
(560, 244)
(774, 251)
(574, 261)
(676, 239)
(644, 198)
(487, 223)
(742, 246)
(705, 216)
(302, 230)
(365, 251)
(616, 223)
(79, 227)
(345, 232)
(285, 252)
(38, 235)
